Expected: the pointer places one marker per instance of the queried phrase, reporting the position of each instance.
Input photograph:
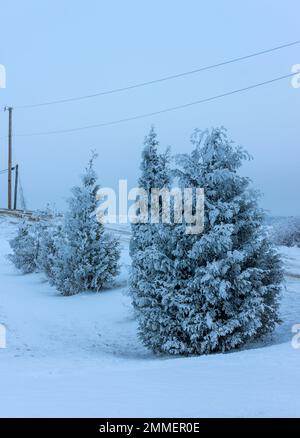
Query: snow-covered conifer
(216, 291)
(85, 257)
(25, 247)
(33, 246)
(155, 174)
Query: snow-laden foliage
(287, 233)
(85, 257)
(198, 294)
(33, 245)
(154, 175)
(25, 247)
(49, 235)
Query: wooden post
(16, 186)
(9, 182)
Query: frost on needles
(199, 294)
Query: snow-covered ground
(80, 356)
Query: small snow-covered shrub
(287, 233)
(25, 247)
(85, 257)
(33, 246)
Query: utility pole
(9, 183)
(16, 186)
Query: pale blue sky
(56, 49)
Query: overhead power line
(154, 113)
(5, 170)
(162, 79)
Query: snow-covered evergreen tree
(85, 257)
(155, 174)
(25, 247)
(199, 294)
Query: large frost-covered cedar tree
(199, 294)
(86, 258)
